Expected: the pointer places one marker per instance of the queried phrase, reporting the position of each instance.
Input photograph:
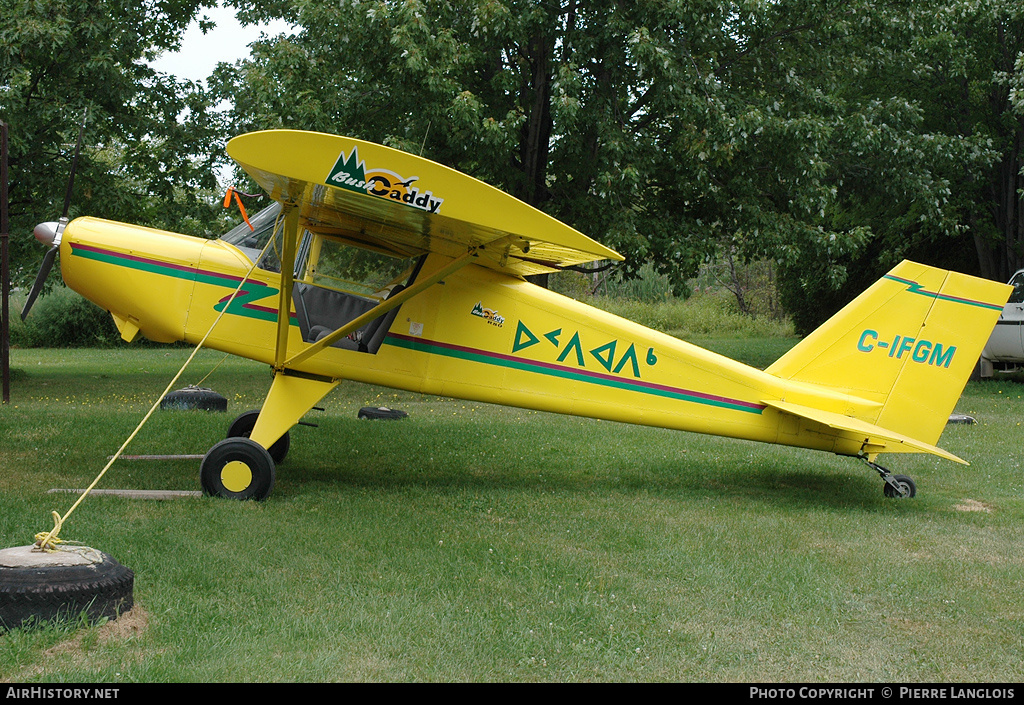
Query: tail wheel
(907, 488)
(896, 486)
(242, 427)
(237, 468)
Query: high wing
(387, 200)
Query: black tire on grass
(47, 593)
(381, 413)
(194, 399)
(906, 483)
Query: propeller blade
(52, 235)
(44, 271)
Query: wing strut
(290, 241)
(380, 309)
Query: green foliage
(830, 138)
(706, 314)
(824, 280)
(64, 319)
(647, 286)
(711, 310)
(795, 132)
(151, 142)
(753, 285)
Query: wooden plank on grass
(137, 494)
(158, 457)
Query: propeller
(50, 233)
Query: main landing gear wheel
(237, 468)
(242, 427)
(907, 488)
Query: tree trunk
(1000, 260)
(535, 138)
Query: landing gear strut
(242, 427)
(896, 486)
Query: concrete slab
(31, 557)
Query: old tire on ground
(237, 468)
(193, 398)
(37, 587)
(242, 427)
(381, 412)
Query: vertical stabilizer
(908, 343)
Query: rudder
(908, 343)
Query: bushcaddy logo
(489, 315)
(352, 174)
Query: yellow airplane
(398, 271)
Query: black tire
(39, 593)
(905, 482)
(242, 427)
(237, 468)
(193, 398)
(381, 412)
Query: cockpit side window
(341, 282)
(335, 280)
(332, 264)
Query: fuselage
(477, 335)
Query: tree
(152, 142)
(928, 159)
(581, 108)
(975, 60)
(831, 137)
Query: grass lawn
(478, 543)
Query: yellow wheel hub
(236, 476)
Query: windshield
(321, 260)
(252, 241)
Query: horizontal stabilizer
(873, 435)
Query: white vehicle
(1004, 351)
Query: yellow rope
(213, 370)
(47, 541)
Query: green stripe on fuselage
(563, 373)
